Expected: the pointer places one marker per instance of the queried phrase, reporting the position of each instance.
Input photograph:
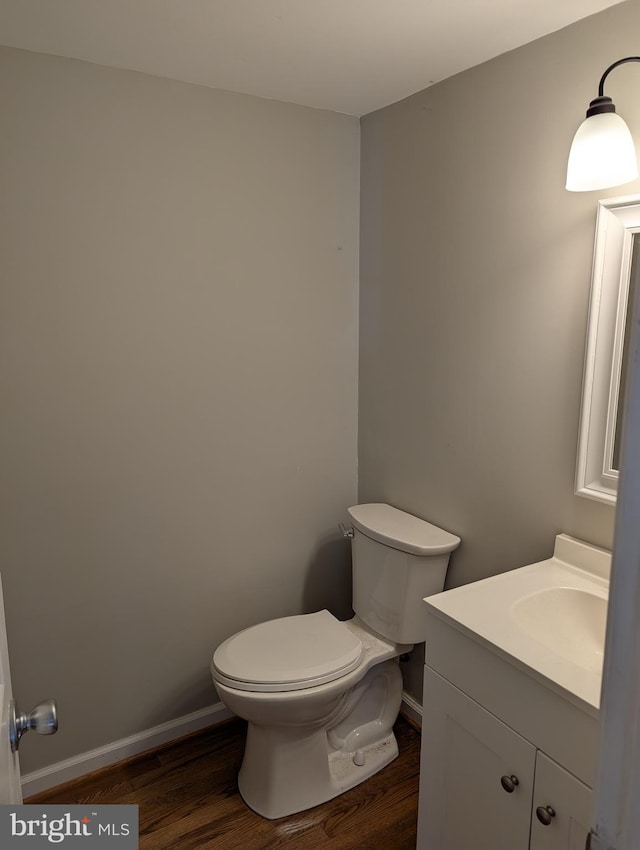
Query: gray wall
(475, 276)
(178, 350)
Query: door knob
(43, 720)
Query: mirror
(615, 263)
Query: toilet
(320, 695)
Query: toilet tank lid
(401, 530)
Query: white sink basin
(548, 618)
(568, 621)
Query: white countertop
(515, 616)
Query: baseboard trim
(65, 771)
(411, 709)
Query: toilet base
(288, 769)
(343, 774)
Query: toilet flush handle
(346, 532)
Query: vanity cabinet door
(476, 775)
(567, 825)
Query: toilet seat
(288, 654)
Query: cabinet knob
(545, 815)
(509, 783)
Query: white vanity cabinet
(483, 786)
(476, 775)
(569, 800)
(511, 704)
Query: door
(560, 816)
(10, 791)
(476, 775)
(616, 815)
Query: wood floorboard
(188, 799)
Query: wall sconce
(602, 154)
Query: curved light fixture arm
(610, 69)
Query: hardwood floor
(189, 800)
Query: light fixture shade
(602, 154)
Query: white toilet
(321, 696)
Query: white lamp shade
(602, 154)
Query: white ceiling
(350, 56)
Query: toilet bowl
(320, 695)
(311, 740)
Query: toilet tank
(398, 559)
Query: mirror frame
(617, 221)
